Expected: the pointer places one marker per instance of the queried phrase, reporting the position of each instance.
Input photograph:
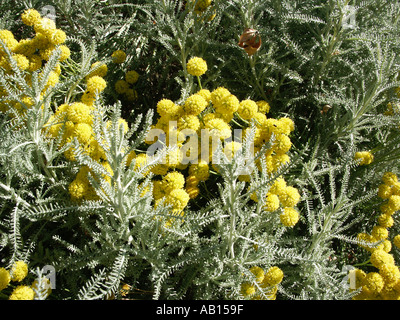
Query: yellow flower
(379, 232)
(30, 17)
(390, 273)
(121, 86)
(167, 108)
(131, 94)
(286, 125)
(218, 94)
(231, 148)
(52, 80)
(359, 277)
(380, 258)
(282, 143)
(196, 66)
(46, 53)
(218, 128)
(247, 109)
(78, 188)
(259, 118)
(195, 104)
(228, 104)
(384, 191)
(58, 37)
(5, 278)
(247, 289)
(79, 112)
(200, 170)
(271, 202)
(9, 40)
(83, 132)
(374, 282)
(368, 239)
(202, 5)
(192, 191)
(263, 106)
(386, 209)
(389, 178)
(394, 202)
(385, 220)
(289, 217)
(98, 69)
(177, 198)
(227, 117)
(35, 62)
(25, 47)
(272, 277)
(88, 98)
(396, 241)
(258, 273)
(364, 157)
(96, 84)
(65, 53)
(279, 186)
(289, 197)
(270, 126)
(396, 188)
(131, 76)
(141, 161)
(192, 180)
(118, 56)
(158, 190)
(45, 26)
(41, 41)
(19, 271)
(22, 61)
(205, 93)
(386, 246)
(22, 293)
(188, 121)
(173, 180)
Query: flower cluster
(126, 86)
(283, 197)
(384, 283)
(30, 54)
(75, 121)
(170, 190)
(265, 284)
(208, 116)
(17, 273)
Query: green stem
(232, 229)
(365, 263)
(252, 61)
(198, 80)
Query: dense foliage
(199, 149)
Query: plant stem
(232, 229)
